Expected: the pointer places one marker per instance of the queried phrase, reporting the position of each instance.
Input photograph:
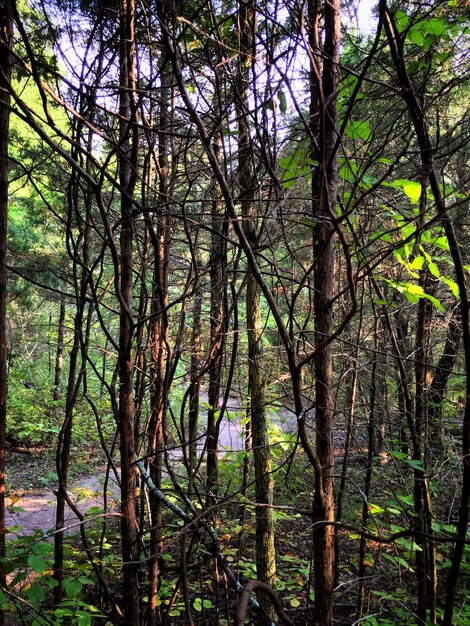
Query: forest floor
(31, 482)
(31, 504)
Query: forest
(234, 290)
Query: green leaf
(417, 263)
(398, 454)
(435, 301)
(411, 188)
(72, 587)
(359, 130)
(375, 509)
(398, 560)
(416, 36)
(452, 286)
(42, 547)
(401, 20)
(407, 499)
(282, 101)
(433, 268)
(294, 603)
(434, 26)
(442, 243)
(37, 563)
(416, 464)
(36, 593)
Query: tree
(6, 25)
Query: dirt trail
(28, 511)
(35, 510)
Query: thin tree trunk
(6, 25)
(159, 341)
(324, 85)
(264, 484)
(361, 596)
(194, 374)
(425, 558)
(59, 360)
(217, 273)
(63, 452)
(351, 403)
(127, 179)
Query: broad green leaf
(407, 499)
(435, 301)
(417, 263)
(398, 560)
(441, 243)
(415, 290)
(434, 26)
(398, 454)
(359, 130)
(411, 188)
(37, 563)
(382, 235)
(452, 286)
(401, 20)
(434, 269)
(72, 587)
(416, 464)
(375, 509)
(42, 547)
(36, 593)
(416, 36)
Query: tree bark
(127, 179)
(264, 484)
(6, 25)
(59, 360)
(324, 120)
(160, 351)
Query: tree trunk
(160, 353)
(127, 173)
(6, 24)
(264, 484)
(426, 150)
(194, 374)
(59, 360)
(217, 254)
(324, 85)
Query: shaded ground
(31, 479)
(35, 509)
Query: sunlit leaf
(416, 36)
(411, 188)
(452, 286)
(359, 130)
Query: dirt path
(32, 511)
